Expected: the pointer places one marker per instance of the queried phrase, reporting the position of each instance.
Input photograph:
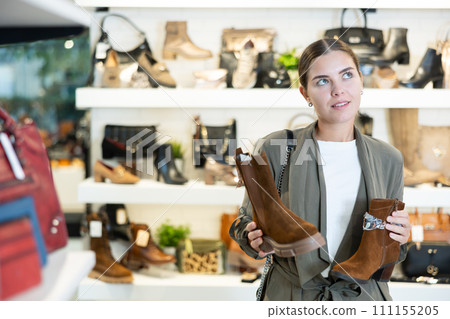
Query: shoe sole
(293, 249)
(113, 280)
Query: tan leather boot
(283, 231)
(106, 268)
(377, 252)
(144, 251)
(177, 42)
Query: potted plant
(178, 153)
(169, 235)
(289, 60)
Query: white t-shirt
(342, 173)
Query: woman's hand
(399, 233)
(255, 239)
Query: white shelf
(250, 99)
(61, 276)
(266, 4)
(152, 192)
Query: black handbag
(214, 141)
(430, 259)
(364, 42)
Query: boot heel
(403, 58)
(98, 178)
(169, 55)
(438, 84)
(384, 274)
(209, 178)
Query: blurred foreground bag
(37, 182)
(436, 226)
(201, 256)
(20, 268)
(430, 259)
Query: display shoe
(165, 165)
(219, 171)
(119, 223)
(429, 70)
(111, 73)
(211, 79)
(384, 77)
(378, 252)
(405, 138)
(106, 268)
(157, 72)
(144, 251)
(117, 175)
(244, 77)
(177, 42)
(283, 232)
(396, 49)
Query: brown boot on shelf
(106, 268)
(177, 42)
(117, 175)
(283, 231)
(219, 171)
(144, 251)
(404, 126)
(377, 252)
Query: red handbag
(20, 268)
(37, 182)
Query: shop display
(165, 165)
(177, 42)
(365, 42)
(429, 70)
(216, 171)
(434, 148)
(201, 256)
(25, 171)
(216, 141)
(396, 48)
(112, 67)
(117, 174)
(20, 267)
(430, 259)
(106, 267)
(144, 252)
(119, 223)
(244, 77)
(378, 252)
(211, 79)
(435, 225)
(284, 232)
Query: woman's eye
(348, 75)
(322, 82)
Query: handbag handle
(342, 18)
(9, 124)
(104, 35)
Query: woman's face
(334, 87)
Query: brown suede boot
(283, 231)
(106, 268)
(377, 252)
(177, 42)
(144, 251)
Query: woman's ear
(303, 92)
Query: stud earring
(310, 104)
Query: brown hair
(315, 50)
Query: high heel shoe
(218, 171)
(164, 163)
(429, 70)
(396, 49)
(117, 175)
(377, 252)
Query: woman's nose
(337, 90)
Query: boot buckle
(370, 222)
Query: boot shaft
(397, 37)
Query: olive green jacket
(304, 192)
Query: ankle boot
(396, 48)
(177, 42)
(377, 253)
(144, 251)
(405, 138)
(164, 163)
(106, 268)
(219, 171)
(283, 231)
(119, 223)
(429, 69)
(244, 77)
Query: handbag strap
(364, 15)
(284, 170)
(104, 35)
(8, 124)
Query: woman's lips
(340, 104)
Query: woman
(332, 193)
